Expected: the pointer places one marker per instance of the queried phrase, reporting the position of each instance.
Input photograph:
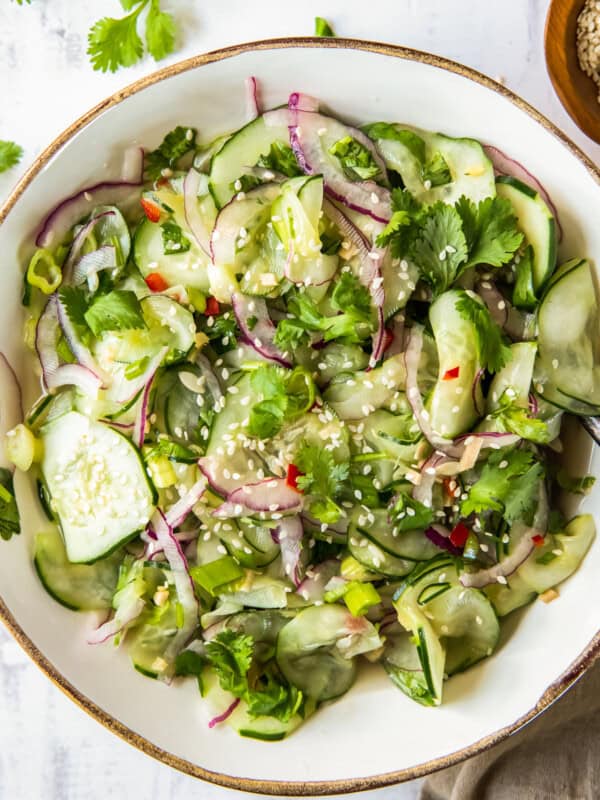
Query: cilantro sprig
(284, 395)
(114, 43)
(444, 240)
(231, 656)
(176, 144)
(513, 418)
(508, 484)
(323, 478)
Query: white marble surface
(48, 747)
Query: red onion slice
(47, 335)
(91, 264)
(178, 512)
(75, 375)
(507, 566)
(312, 588)
(124, 616)
(268, 496)
(183, 582)
(80, 351)
(225, 715)
(289, 534)
(302, 102)
(74, 208)
(252, 110)
(423, 491)
(196, 224)
(440, 536)
(261, 335)
(306, 130)
(139, 425)
(505, 165)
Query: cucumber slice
(148, 642)
(243, 149)
(560, 556)
(260, 591)
(451, 404)
(184, 404)
(402, 663)
(111, 229)
(455, 627)
(471, 171)
(537, 223)
(367, 391)
(515, 594)
(177, 269)
(410, 545)
(569, 340)
(98, 486)
(308, 655)
(375, 559)
(80, 587)
(516, 375)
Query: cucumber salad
(302, 393)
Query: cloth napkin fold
(555, 757)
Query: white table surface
(49, 748)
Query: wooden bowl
(577, 92)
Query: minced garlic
(588, 40)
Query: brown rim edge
(297, 788)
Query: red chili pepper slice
(538, 540)
(151, 210)
(451, 374)
(292, 475)
(459, 535)
(212, 307)
(155, 282)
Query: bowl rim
(569, 677)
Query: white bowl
(374, 735)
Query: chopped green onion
(43, 272)
(360, 597)
(216, 575)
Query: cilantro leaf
(403, 227)
(10, 523)
(76, 305)
(436, 171)
(114, 43)
(351, 296)
(323, 28)
(408, 514)
(190, 663)
(490, 229)
(175, 145)
(523, 495)
(280, 158)
(290, 335)
(284, 395)
(174, 240)
(356, 160)
(323, 478)
(513, 418)
(386, 130)
(172, 450)
(230, 655)
(245, 183)
(493, 349)
(10, 155)
(160, 32)
(222, 332)
(440, 249)
(118, 310)
(523, 291)
(274, 699)
(508, 484)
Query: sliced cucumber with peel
(569, 340)
(243, 150)
(537, 223)
(98, 486)
(80, 587)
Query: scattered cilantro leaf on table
(116, 42)
(10, 154)
(323, 28)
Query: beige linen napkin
(556, 757)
